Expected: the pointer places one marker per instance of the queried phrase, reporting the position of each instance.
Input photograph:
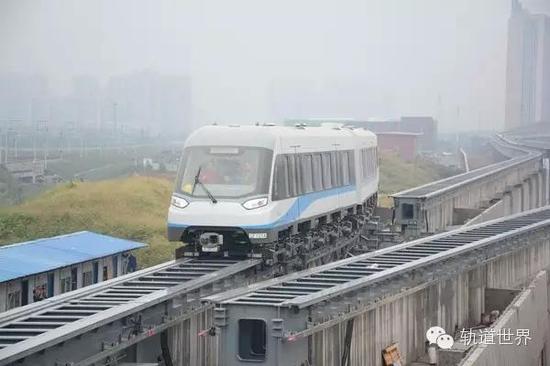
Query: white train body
(243, 186)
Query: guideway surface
(437, 206)
(307, 287)
(28, 330)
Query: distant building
(425, 127)
(38, 269)
(27, 171)
(528, 68)
(402, 143)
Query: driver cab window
(224, 171)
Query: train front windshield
(225, 172)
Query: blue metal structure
(43, 255)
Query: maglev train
(240, 188)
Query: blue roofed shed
(59, 264)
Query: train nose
(206, 213)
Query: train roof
(267, 135)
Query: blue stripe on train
(299, 206)
(293, 213)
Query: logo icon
(437, 335)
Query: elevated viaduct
(517, 184)
(347, 312)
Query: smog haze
(249, 61)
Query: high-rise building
(528, 67)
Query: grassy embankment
(133, 208)
(397, 175)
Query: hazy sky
(407, 57)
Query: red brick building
(405, 144)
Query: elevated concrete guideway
(347, 312)
(127, 315)
(508, 187)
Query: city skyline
(373, 59)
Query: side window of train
(344, 168)
(292, 176)
(372, 162)
(363, 165)
(299, 174)
(317, 173)
(367, 164)
(280, 179)
(307, 173)
(335, 170)
(351, 164)
(327, 179)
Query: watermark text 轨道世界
(488, 336)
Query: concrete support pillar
(525, 195)
(532, 193)
(508, 205)
(546, 182)
(440, 219)
(537, 189)
(516, 199)
(476, 295)
(541, 189)
(429, 220)
(449, 207)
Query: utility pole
(42, 126)
(1, 150)
(34, 142)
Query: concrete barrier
(528, 311)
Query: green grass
(397, 175)
(134, 208)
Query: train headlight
(179, 202)
(255, 203)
